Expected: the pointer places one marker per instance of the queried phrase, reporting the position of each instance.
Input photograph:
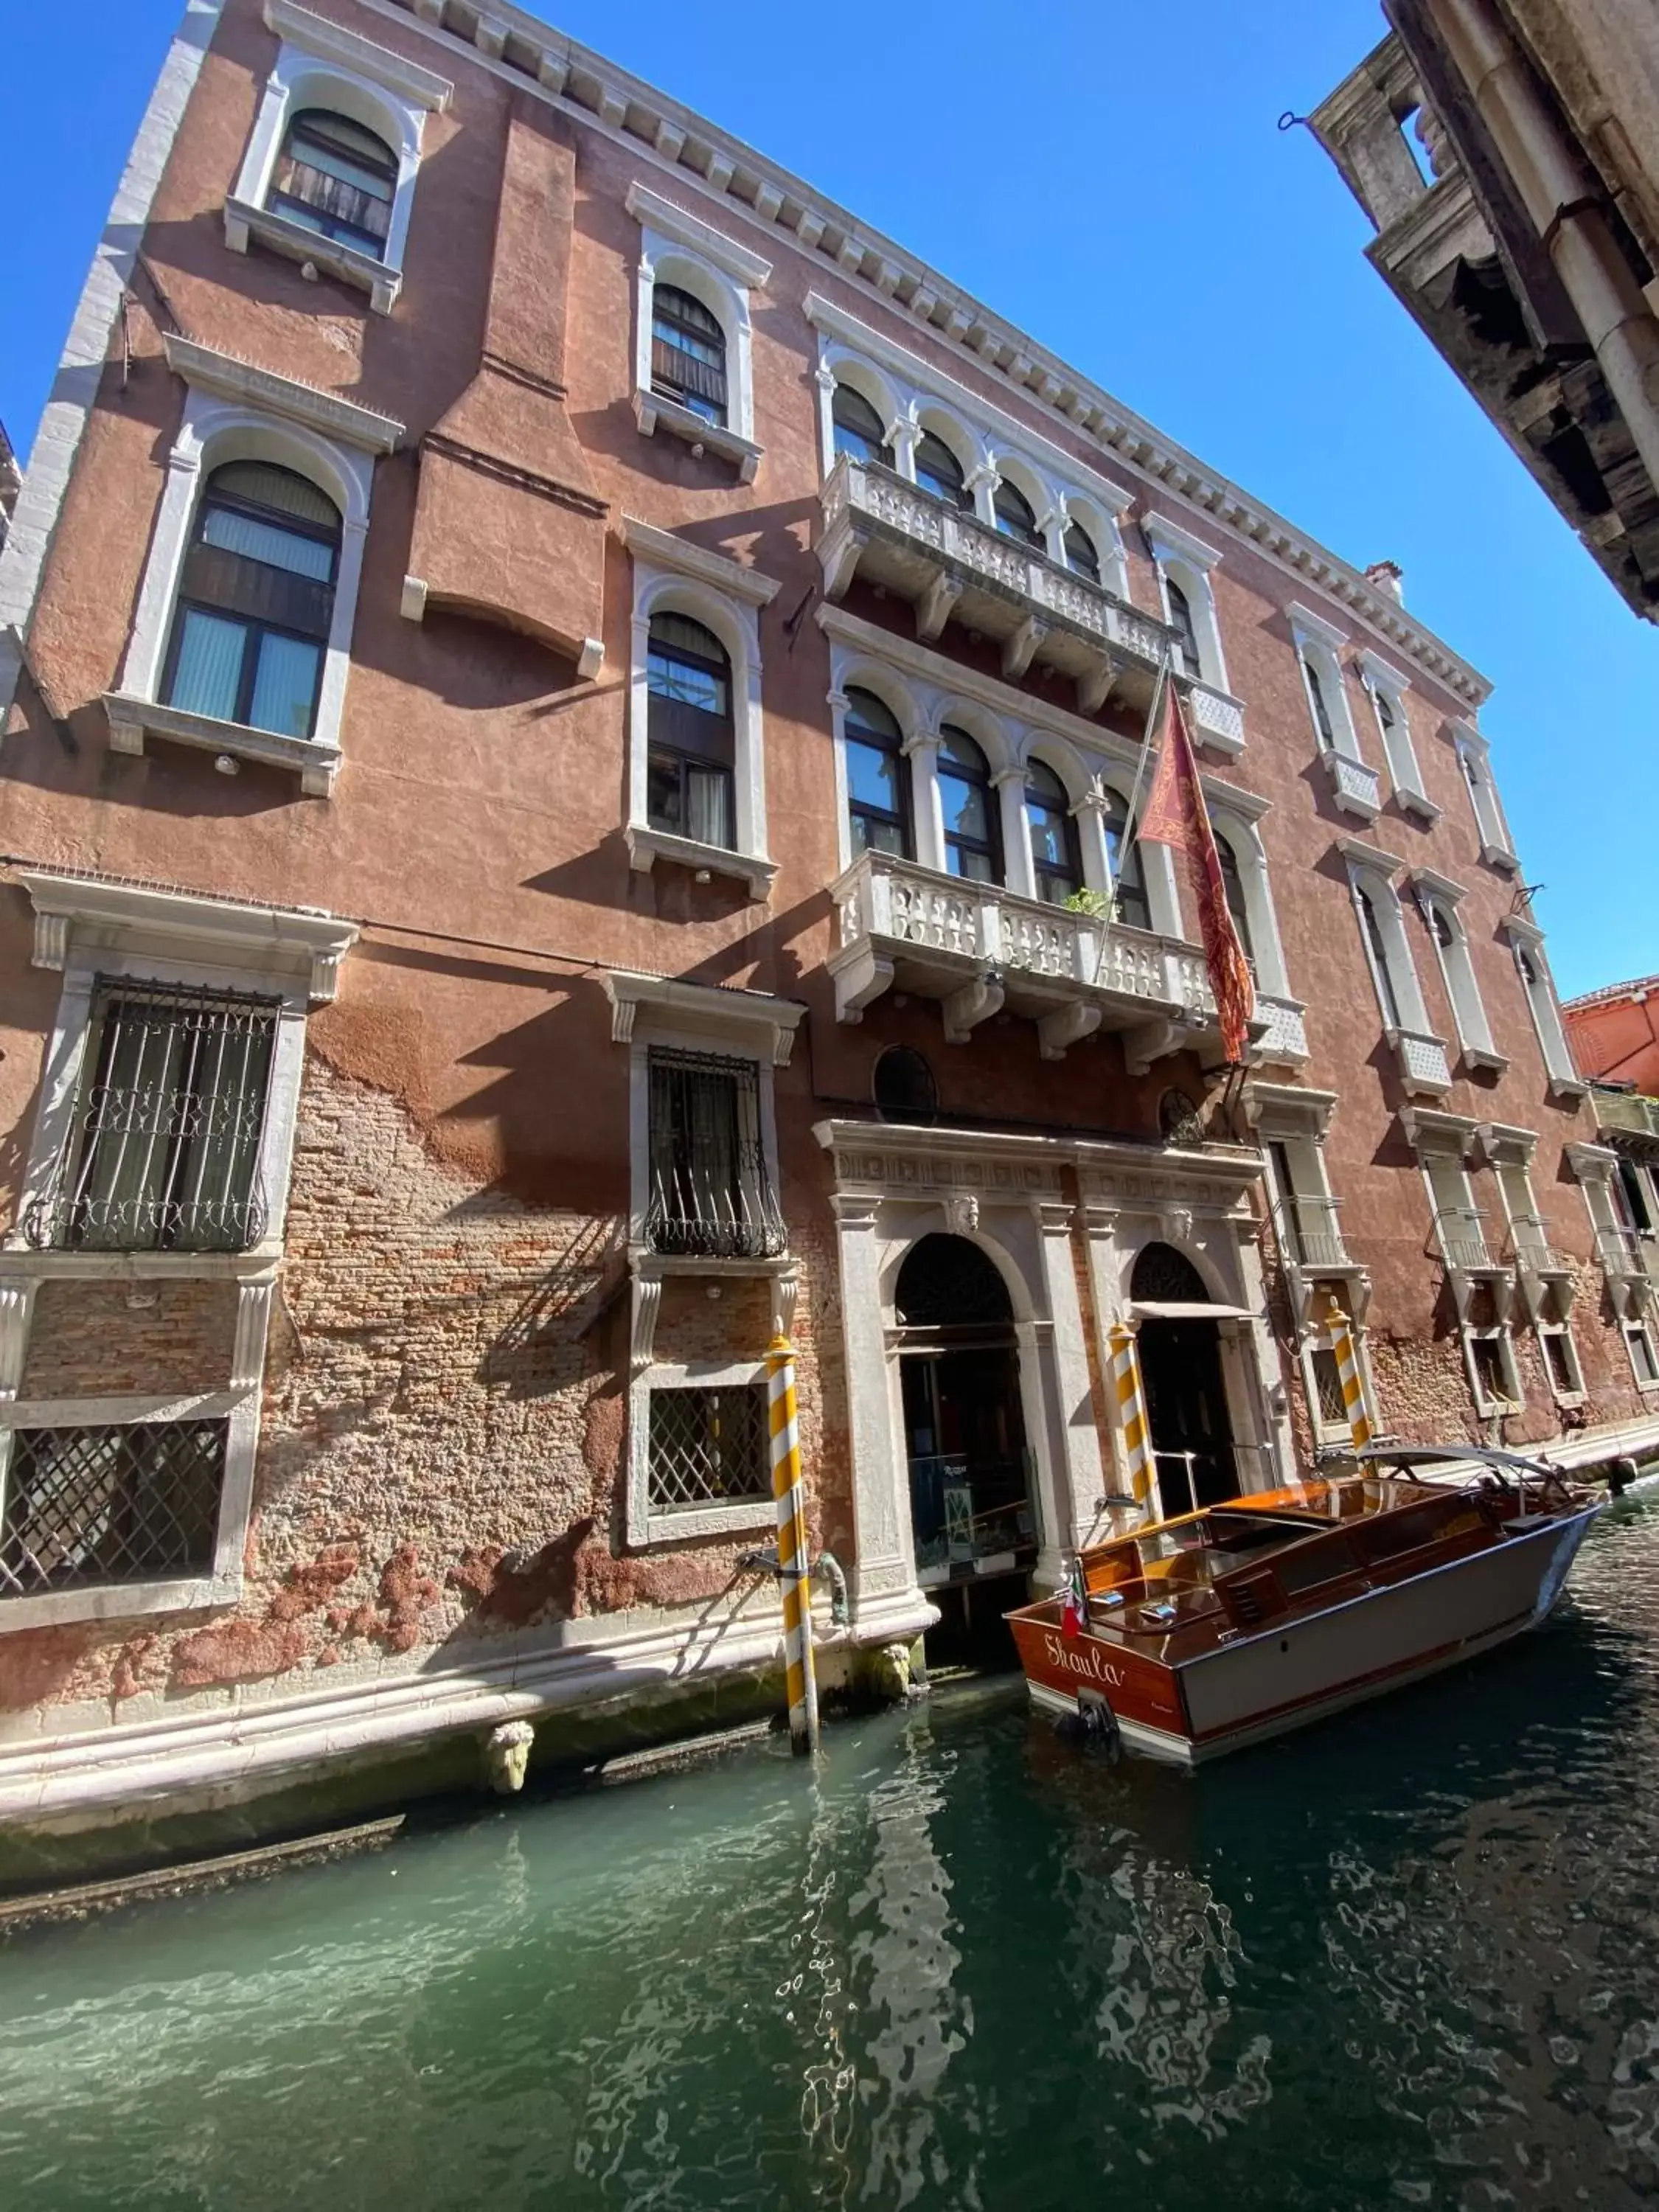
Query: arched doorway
(1181, 1372)
(964, 1438)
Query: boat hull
(1307, 1666)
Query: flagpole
(1132, 825)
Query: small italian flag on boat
(1074, 1600)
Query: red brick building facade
(574, 713)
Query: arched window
(337, 178)
(1181, 621)
(939, 471)
(1054, 835)
(255, 601)
(1320, 705)
(1081, 557)
(688, 353)
(1123, 858)
(878, 807)
(972, 846)
(1161, 1275)
(1233, 884)
(690, 732)
(858, 429)
(1016, 516)
(1376, 944)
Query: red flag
(1175, 815)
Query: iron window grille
(688, 353)
(88, 1506)
(691, 740)
(711, 1195)
(164, 1153)
(337, 179)
(256, 601)
(708, 1447)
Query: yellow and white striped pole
(1132, 1413)
(794, 1570)
(1345, 1353)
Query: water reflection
(1411, 1959)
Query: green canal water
(1408, 1959)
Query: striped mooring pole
(1132, 1413)
(795, 1569)
(1345, 1353)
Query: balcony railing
(1461, 1239)
(1622, 1257)
(979, 949)
(949, 563)
(1530, 1249)
(1625, 1112)
(1425, 1069)
(1359, 789)
(1285, 1033)
(1311, 1231)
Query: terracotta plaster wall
(445, 1423)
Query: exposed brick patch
(236, 1651)
(89, 1340)
(407, 1595)
(130, 1666)
(308, 1587)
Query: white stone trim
(647, 1525)
(1365, 873)
(1239, 829)
(1526, 942)
(78, 916)
(1383, 680)
(1286, 1109)
(726, 599)
(222, 1583)
(273, 419)
(33, 525)
(682, 249)
(1474, 760)
(1180, 558)
(1437, 894)
(320, 64)
(672, 142)
(744, 1019)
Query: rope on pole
(1132, 1413)
(1345, 1353)
(795, 1576)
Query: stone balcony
(981, 951)
(1424, 1070)
(951, 566)
(1357, 789)
(1626, 1114)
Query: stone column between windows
(1077, 1418)
(1090, 816)
(884, 1576)
(927, 806)
(1017, 870)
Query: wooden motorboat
(1200, 1634)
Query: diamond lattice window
(708, 1447)
(88, 1506)
(164, 1152)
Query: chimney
(1389, 579)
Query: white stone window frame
(1373, 871)
(1492, 829)
(321, 64)
(1355, 784)
(673, 575)
(648, 1525)
(89, 930)
(232, 411)
(1526, 939)
(651, 1011)
(678, 248)
(1574, 1393)
(1237, 814)
(912, 398)
(1189, 561)
(1487, 1406)
(1336, 1434)
(1438, 894)
(1382, 681)
(1642, 1330)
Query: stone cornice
(918, 1143)
(227, 378)
(514, 44)
(715, 1007)
(663, 549)
(331, 42)
(679, 224)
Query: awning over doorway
(1185, 1309)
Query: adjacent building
(1507, 152)
(575, 719)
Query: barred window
(337, 178)
(688, 353)
(708, 1447)
(256, 601)
(1332, 1411)
(84, 1507)
(165, 1151)
(711, 1193)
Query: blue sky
(1110, 176)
